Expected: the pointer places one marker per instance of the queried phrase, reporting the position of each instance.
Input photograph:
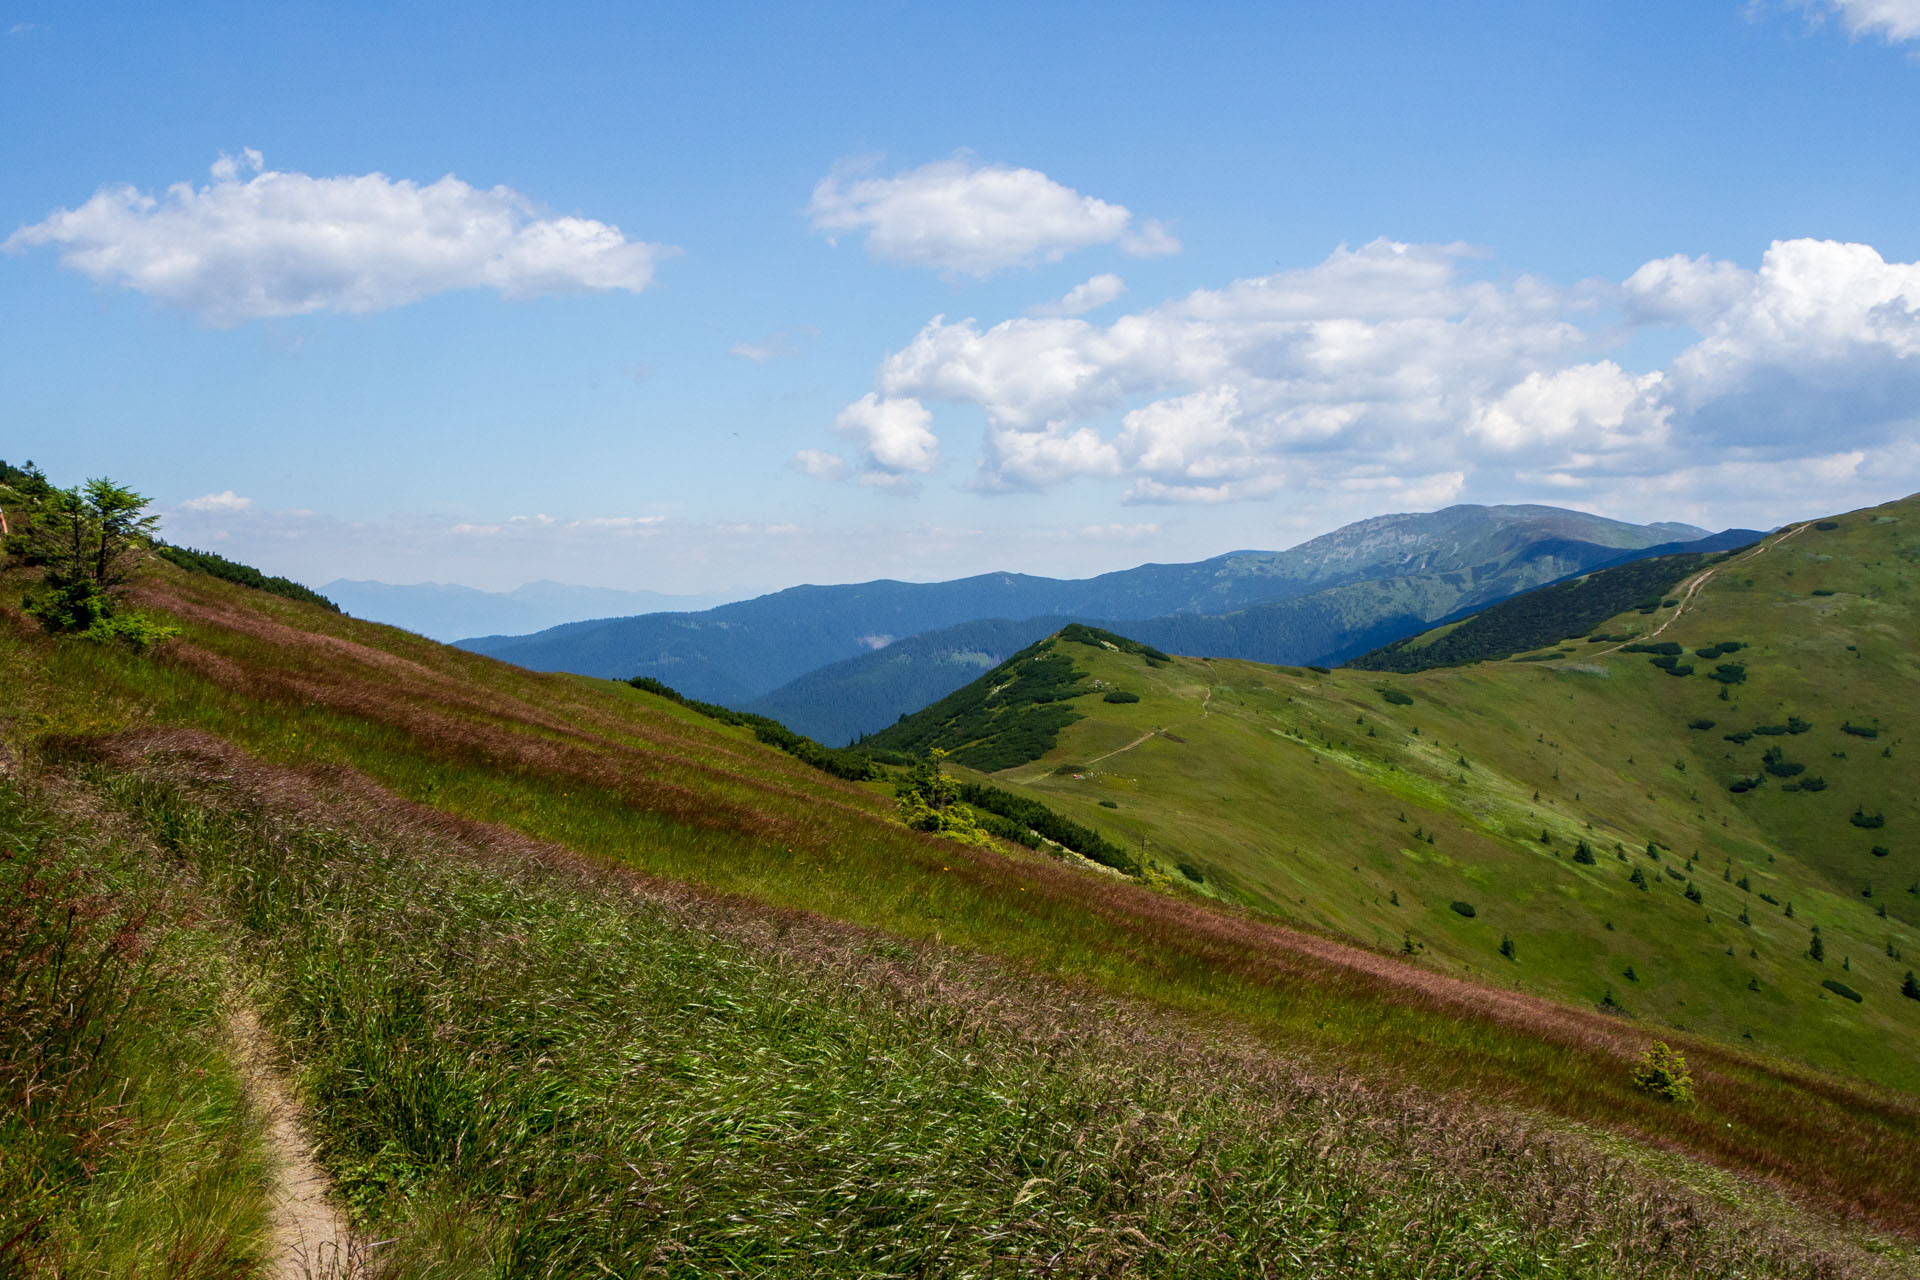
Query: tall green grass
(619, 776)
(528, 1070)
(126, 1147)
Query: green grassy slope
(1540, 618)
(1321, 798)
(285, 699)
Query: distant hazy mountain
(843, 700)
(740, 652)
(444, 611)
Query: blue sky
(721, 297)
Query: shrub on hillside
(1859, 730)
(1397, 697)
(1867, 821)
(87, 543)
(1662, 1071)
(1120, 695)
(1842, 990)
(1780, 767)
(1463, 909)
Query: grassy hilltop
(1691, 819)
(573, 979)
(1531, 789)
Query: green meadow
(546, 950)
(1366, 804)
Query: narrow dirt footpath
(310, 1237)
(1699, 581)
(1205, 703)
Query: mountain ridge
(1691, 807)
(739, 652)
(862, 694)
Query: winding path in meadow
(1698, 581)
(310, 1236)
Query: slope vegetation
(1701, 817)
(860, 695)
(580, 980)
(740, 652)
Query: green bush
(1781, 767)
(1398, 697)
(1700, 724)
(1867, 821)
(130, 627)
(70, 606)
(1463, 909)
(1120, 695)
(1663, 1072)
(1842, 990)
(1859, 730)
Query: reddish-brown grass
(1843, 1146)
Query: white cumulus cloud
(1407, 373)
(1683, 290)
(1895, 21)
(1599, 406)
(225, 500)
(257, 242)
(1086, 296)
(895, 434)
(965, 218)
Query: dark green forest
(1562, 611)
